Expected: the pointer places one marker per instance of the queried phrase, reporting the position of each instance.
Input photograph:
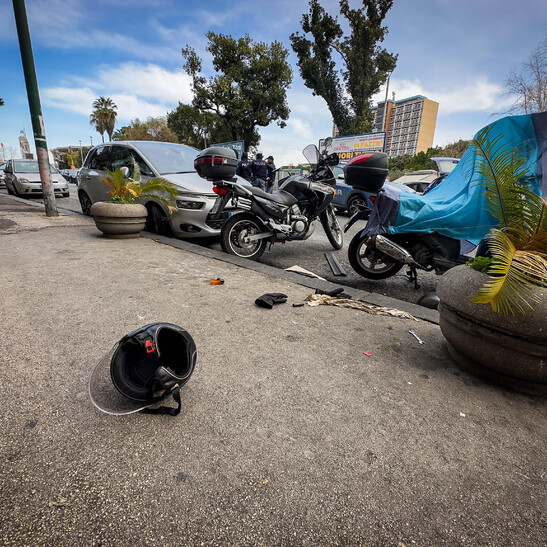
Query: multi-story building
(409, 124)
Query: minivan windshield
(29, 167)
(168, 158)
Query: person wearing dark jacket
(260, 172)
(244, 168)
(271, 174)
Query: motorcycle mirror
(327, 142)
(332, 159)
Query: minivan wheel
(156, 222)
(85, 203)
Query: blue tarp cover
(457, 207)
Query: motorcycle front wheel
(332, 228)
(234, 236)
(371, 263)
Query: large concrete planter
(511, 350)
(119, 220)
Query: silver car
(174, 162)
(2, 166)
(22, 178)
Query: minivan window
(145, 170)
(99, 159)
(118, 157)
(168, 158)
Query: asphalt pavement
(300, 426)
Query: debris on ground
(269, 299)
(318, 299)
(339, 293)
(217, 281)
(335, 265)
(302, 271)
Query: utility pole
(35, 108)
(81, 155)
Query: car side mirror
(341, 176)
(125, 172)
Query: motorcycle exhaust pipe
(393, 250)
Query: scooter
(374, 254)
(286, 215)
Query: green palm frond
(519, 246)
(513, 274)
(128, 191)
(503, 172)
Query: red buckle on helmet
(149, 346)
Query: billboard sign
(351, 146)
(238, 146)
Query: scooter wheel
(370, 263)
(235, 233)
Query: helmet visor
(104, 394)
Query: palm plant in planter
(507, 340)
(123, 216)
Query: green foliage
(519, 244)
(153, 129)
(248, 91)
(1, 101)
(196, 128)
(480, 263)
(124, 190)
(365, 65)
(103, 117)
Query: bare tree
(529, 88)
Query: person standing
(271, 174)
(244, 168)
(259, 169)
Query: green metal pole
(34, 104)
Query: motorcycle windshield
(311, 153)
(458, 207)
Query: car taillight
(219, 191)
(210, 160)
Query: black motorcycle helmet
(146, 366)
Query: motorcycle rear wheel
(234, 233)
(371, 263)
(332, 228)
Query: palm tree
(1, 101)
(519, 244)
(103, 116)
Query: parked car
(71, 175)
(22, 178)
(351, 200)
(174, 162)
(421, 180)
(2, 165)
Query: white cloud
(472, 96)
(139, 91)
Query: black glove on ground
(269, 299)
(338, 293)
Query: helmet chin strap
(175, 391)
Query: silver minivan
(22, 178)
(174, 162)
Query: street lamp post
(81, 155)
(91, 139)
(385, 103)
(35, 107)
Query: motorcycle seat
(281, 197)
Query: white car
(174, 162)
(22, 178)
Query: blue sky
(457, 53)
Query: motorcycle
(288, 214)
(375, 254)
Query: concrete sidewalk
(289, 435)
